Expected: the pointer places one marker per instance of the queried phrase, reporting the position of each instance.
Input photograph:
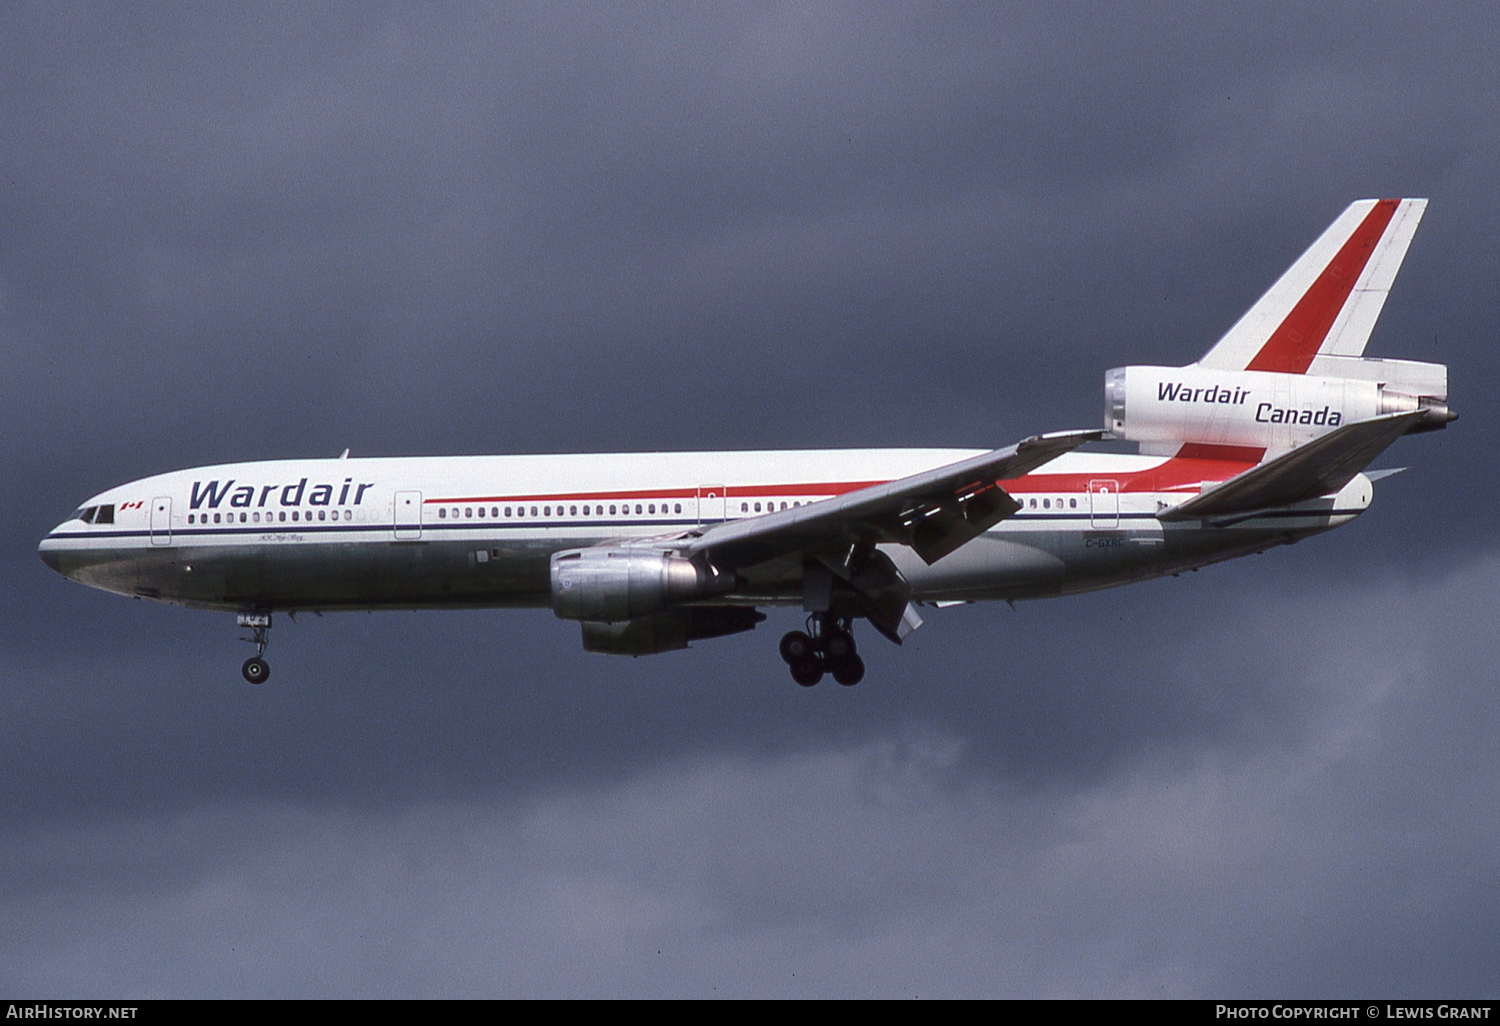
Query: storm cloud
(247, 231)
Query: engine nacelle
(1161, 406)
(666, 632)
(610, 585)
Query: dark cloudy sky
(233, 231)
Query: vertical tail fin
(1328, 301)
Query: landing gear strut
(827, 646)
(256, 669)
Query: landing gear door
(710, 504)
(161, 520)
(1104, 504)
(408, 522)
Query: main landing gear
(256, 669)
(825, 647)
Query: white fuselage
(480, 530)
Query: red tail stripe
(1291, 348)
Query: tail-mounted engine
(611, 585)
(1165, 406)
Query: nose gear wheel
(256, 670)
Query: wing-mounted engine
(612, 585)
(667, 632)
(1163, 407)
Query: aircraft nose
(49, 554)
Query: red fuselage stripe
(1176, 473)
(647, 494)
(1208, 451)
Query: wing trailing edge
(934, 512)
(1321, 467)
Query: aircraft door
(710, 503)
(408, 522)
(1104, 504)
(161, 520)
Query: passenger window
(677, 507)
(572, 511)
(494, 511)
(442, 513)
(322, 515)
(611, 509)
(481, 511)
(348, 514)
(638, 508)
(744, 507)
(1073, 503)
(469, 512)
(651, 509)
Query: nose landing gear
(827, 646)
(256, 669)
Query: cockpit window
(87, 514)
(106, 514)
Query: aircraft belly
(365, 575)
(1036, 562)
(1113, 558)
(987, 566)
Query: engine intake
(609, 585)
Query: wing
(1318, 468)
(933, 512)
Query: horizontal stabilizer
(1320, 467)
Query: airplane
(1261, 442)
